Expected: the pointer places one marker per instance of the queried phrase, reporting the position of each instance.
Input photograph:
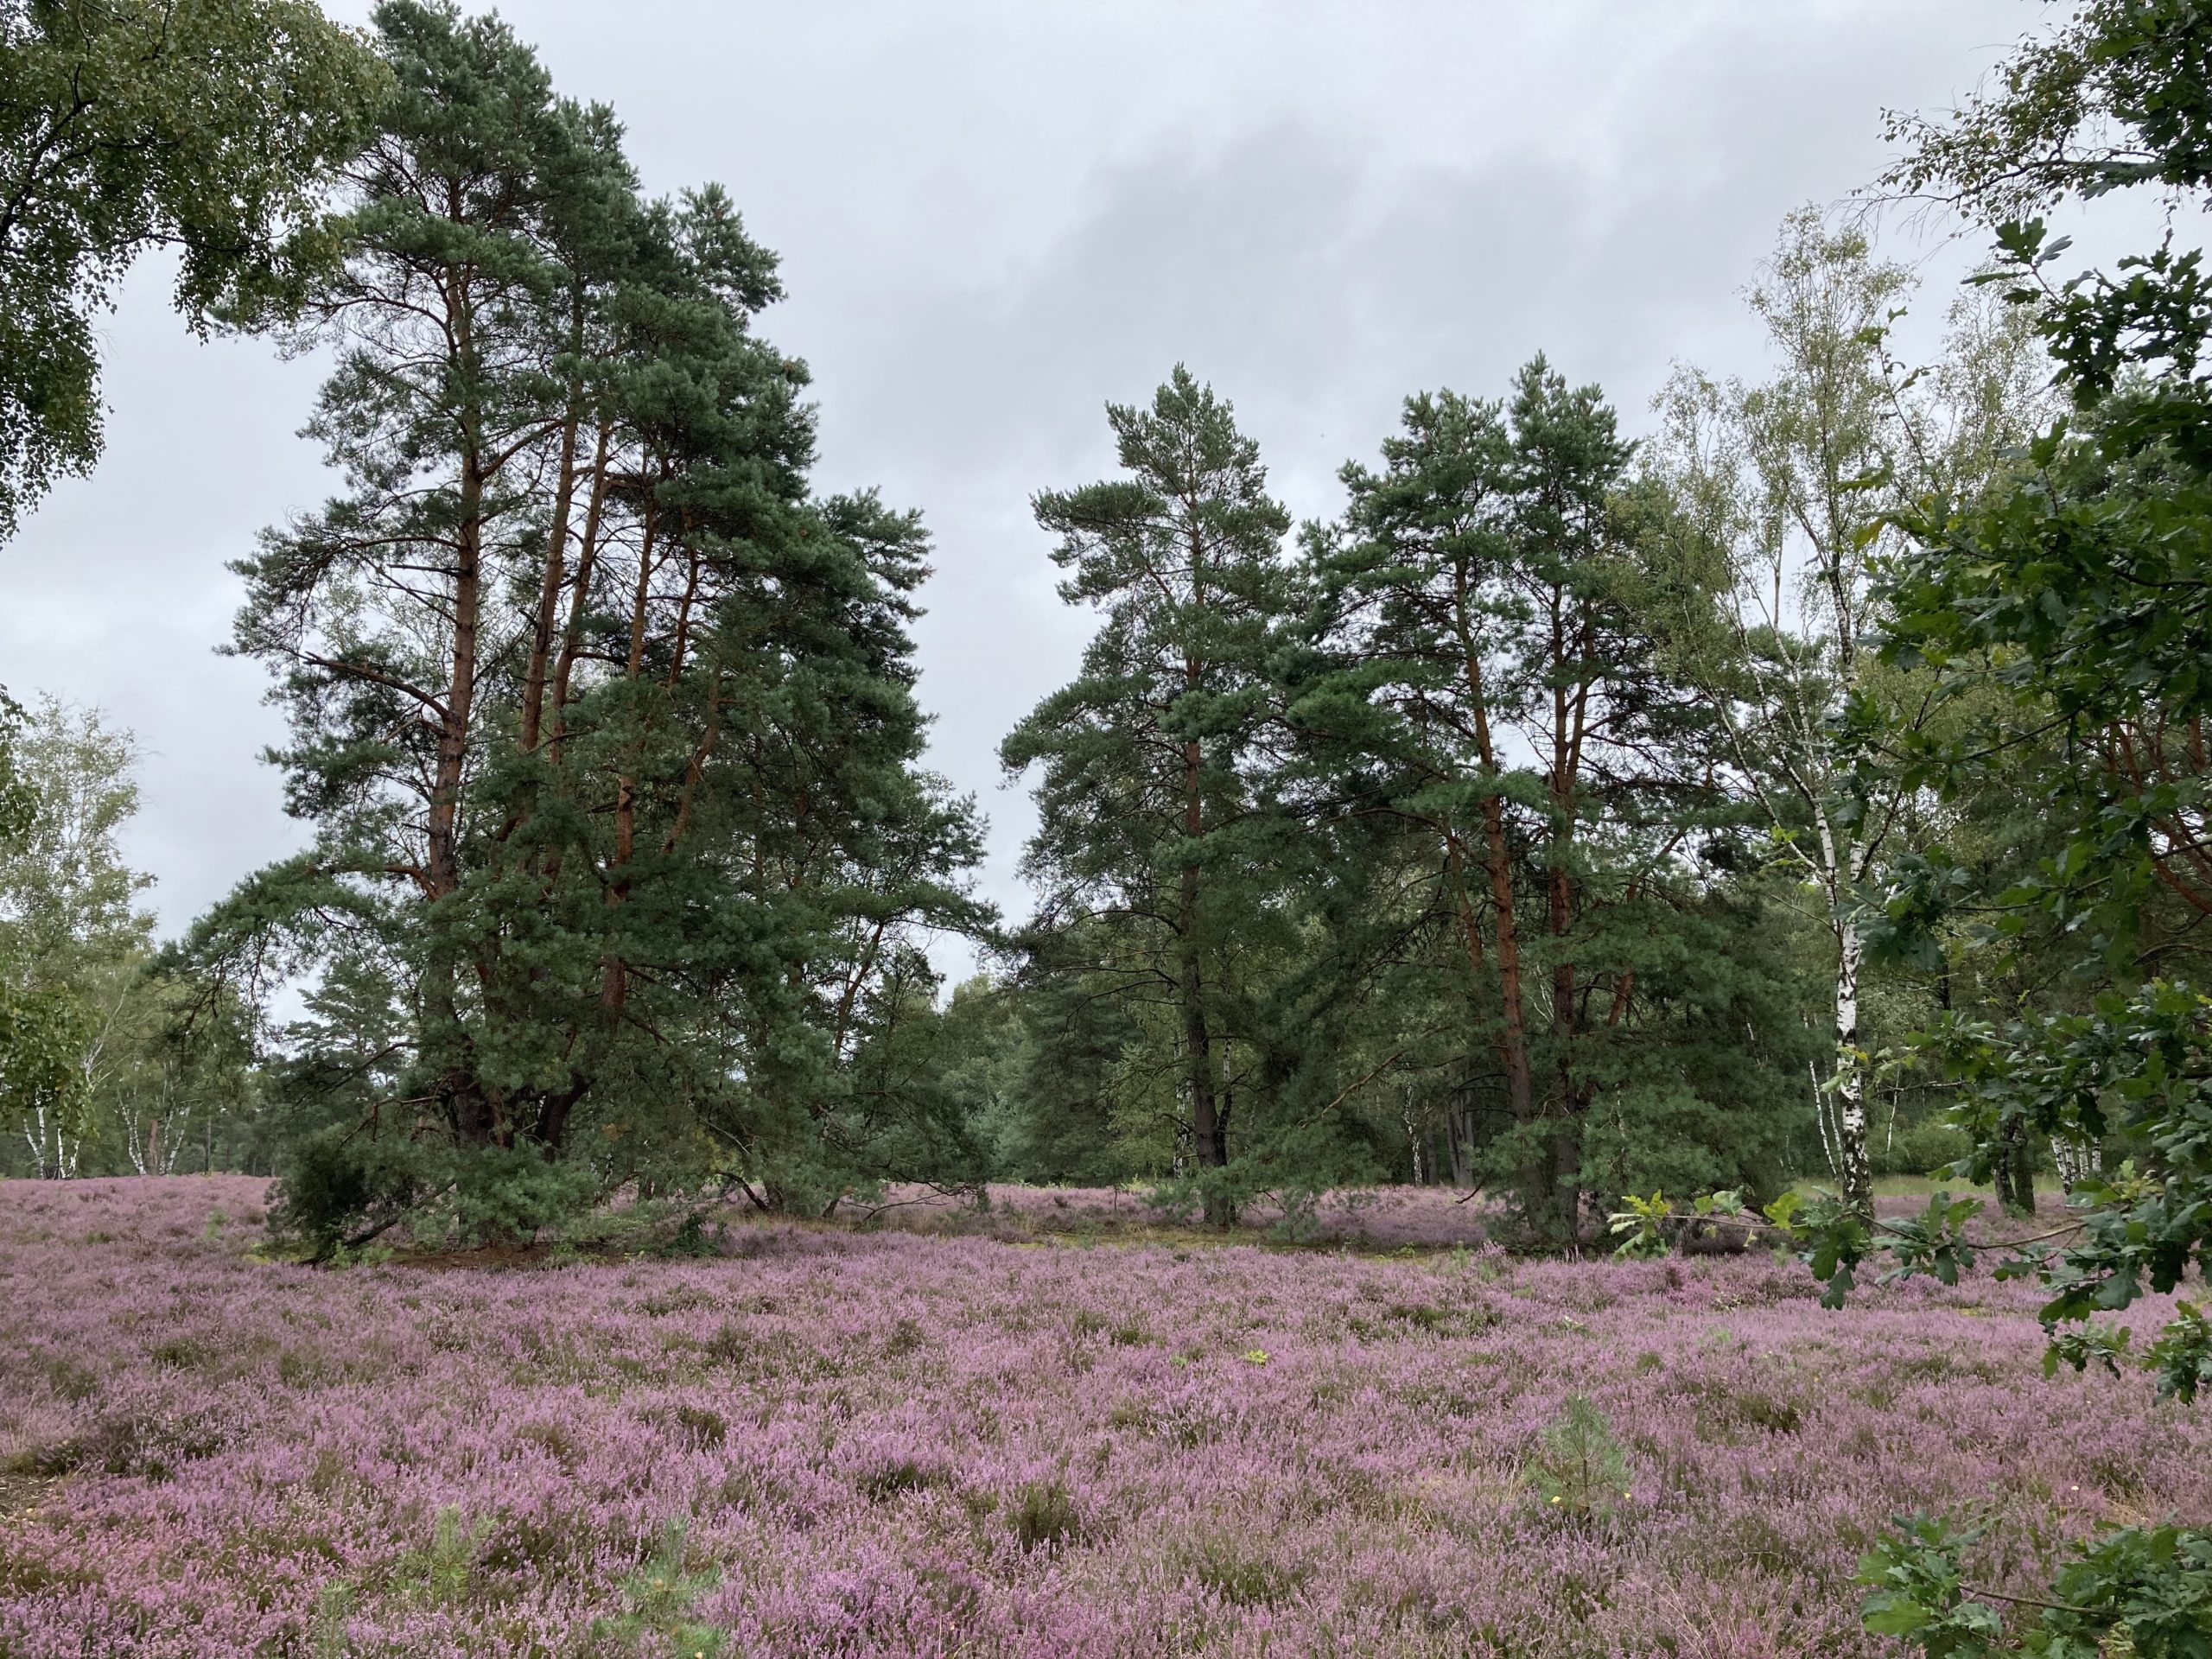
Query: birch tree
(73, 937)
(1796, 479)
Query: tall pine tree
(605, 725)
(1492, 701)
(1151, 822)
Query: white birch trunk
(1853, 1168)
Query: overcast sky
(993, 219)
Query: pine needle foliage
(1578, 1468)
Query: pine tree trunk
(442, 864)
(474, 1118)
(1209, 1125)
(1513, 1032)
(1209, 1137)
(614, 986)
(1209, 1134)
(548, 592)
(1460, 1130)
(1563, 1164)
(1570, 712)
(572, 637)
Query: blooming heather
(903, 1443)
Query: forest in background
(1576, 815)
(1496, 812)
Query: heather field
(895, 1443)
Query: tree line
(1574, 814)
(1511, 825)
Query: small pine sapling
(333, 1606)
(440, 1575)
(1578, 1468)
(659, 1597)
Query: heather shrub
(1243, 1571)
(696, 1427)
(1749, 1541)
(680, 1300)
(1120, 1332)
(556, 1440)
(70, 1378)
(886, 1480)
(904, 1338)
(151, 1437)
(1727, 1408)
(979, 1494)
(179, 1353)
(1412, 1319)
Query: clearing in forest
(827, 1442)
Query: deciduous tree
(208, 126)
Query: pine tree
(605, 725)
(1491, 683)
(1151, 818)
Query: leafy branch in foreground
(2075, 599)
(2143, 1590)
(1714, 1222)
(208, 128)
(1834, 1239)
(2137, 1069)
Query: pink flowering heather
(1381, 1217)
(892, 1443)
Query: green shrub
(1578, 1468)
(659, 1597)
(1045, 1517)
(1924, 1147)
(338, 1192)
